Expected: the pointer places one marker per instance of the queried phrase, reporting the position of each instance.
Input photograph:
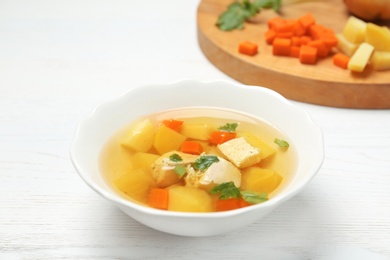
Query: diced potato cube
(361, 57)
(378, 37)
(265, 149)
(116, 160)
(260, 180)
(188, 199)
(380, 60)
(345, 46)
(143, 160)
(198, 131)
(140, 137)
(136, 184)
(240, 152)
(354, 30)
(166, 140)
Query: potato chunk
(136, 184)
(378, 37)
(380, 60)
(240, 152)
(260, 180)
(197, 131)
(345, 46)
(140, 137)
(354, 30)
(143, 160)
(167, 140)
(188, 199)
(361, 57)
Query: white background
(60, 59)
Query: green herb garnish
(175, 158)
(229, 127)
(238, 12)
(281, 143)
(254, 197)
(204, 162)
(227, 190)
(180, 170)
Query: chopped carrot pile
(248, 48)
(158, 198)
(302, 38)
(191, 147)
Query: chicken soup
(198, 160)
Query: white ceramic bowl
(260, 102)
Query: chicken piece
(163, 168)
(220, 172)
(240, 152)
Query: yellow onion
(369, 10)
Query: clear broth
(116, 160)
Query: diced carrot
(158, 198)
(243, 203)
(228, 204)
(304, 39)
(330, 40)
(284, 35)
(269, 36)
(274, 21)
(219, 137)
(308, 55)
(294, 51)
(191, 147)
(285, 26)
(295, 41)
(281, 47)
(307, 20)
(316, 31)
(341, 60)
(322, 49)
(173, 124)
(299, 29)
(248, 48)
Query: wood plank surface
(322, 84)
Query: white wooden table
(60, 59)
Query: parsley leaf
(180, 170)
(175, 158)
(268, 4)
(204, 162)
(227, 190)
(237, 12)
(281, 143)
(254, 197)
(228, 127)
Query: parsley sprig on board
(238, 12)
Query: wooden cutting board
(322, 84)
